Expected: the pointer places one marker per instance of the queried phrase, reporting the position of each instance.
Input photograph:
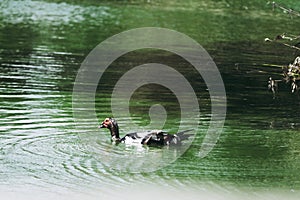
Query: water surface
(42, 45)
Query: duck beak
(101, 126)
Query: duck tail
(183, 136)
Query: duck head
(112, 125)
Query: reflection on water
(41, 47)
(38, 12)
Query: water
(44, 153)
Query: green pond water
(45, 153)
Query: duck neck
(114, 132)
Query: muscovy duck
(154, 137)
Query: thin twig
(285, 44)
(291, 46)
(287, 10)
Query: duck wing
(153, 137)
(163, 138)
(174, 139)
(131, 137)
(138, 137)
